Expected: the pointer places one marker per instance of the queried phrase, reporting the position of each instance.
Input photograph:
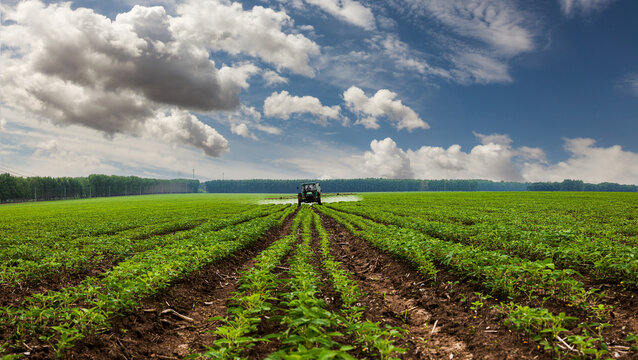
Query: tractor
(309, 193)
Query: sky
(429, 89)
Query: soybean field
(515, 275)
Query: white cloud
(283, 105)
(238, 74)
(406, 58)
(78, 67)
(3, 123)
(80, 151)
(479, 36)
(498, 23)
(178, 126)
(500, 139)
(494, 159)
(478, 68)
(584, 7)
(74, 66)
(381, 104)
(272, 78)
(225, 25)
(589, 163)
(350, 11)
(242, 130)
(630, 84)
(386, 160)
(246, 119)
(490, 161)
(51, 151)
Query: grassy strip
(252, 301)
(61, 318)
(370, 336)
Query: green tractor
(309, 193)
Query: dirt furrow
(439, 324)
(175, 323)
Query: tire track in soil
(147, 333)
(393, 287)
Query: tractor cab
(309, 193)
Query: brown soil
(397, 296)
(437, 316)
(151, 332)
(452, 289)
(14, 295)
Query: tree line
(578, 185)
(16, 189)
(359, 185)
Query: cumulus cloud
(492, 160)
(589, 163)
(242, 130)
(283, 105)
(258, 32)
(247, 119)
(495, 158)
(386, 160)
(3, 123)
(382, 104)
(350, 11)
(178, 126)
(74, 66)
(583, 7)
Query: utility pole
(65, 193)
(35, 194)
(193, 173)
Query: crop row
(25, 262)
(61, 318)
(585, 213)
(612, 216)
(371, 337)
(605, 259)
(253, 300)
(51, 224)
(311, 330)
(502, 275)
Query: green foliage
(16, 189)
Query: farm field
(394, 275)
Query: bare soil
(437, 317)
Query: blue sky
(500, 90)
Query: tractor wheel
(319, 199)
